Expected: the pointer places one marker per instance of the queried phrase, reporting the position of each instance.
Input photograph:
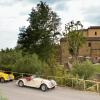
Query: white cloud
(11, 18)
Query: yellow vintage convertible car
(6, 76)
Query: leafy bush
(97, 68)
(29, 64)
(8, 58)
(83, 70)
(60, 74)
(60, 71)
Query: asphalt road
(13, 92)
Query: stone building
(90, 49)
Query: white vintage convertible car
(41, 83)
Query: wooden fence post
(72, 83)
(97, 87)
(84, 85)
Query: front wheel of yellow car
(2, 80)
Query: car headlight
(53, 82)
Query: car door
(36, 82)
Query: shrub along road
(13, 92)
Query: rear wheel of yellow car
(20, 83)
(2, 80)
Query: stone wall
(91, 48)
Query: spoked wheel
(44, 87)
(2, 80)
(20, 84)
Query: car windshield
(8, 72)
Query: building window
(95, 33)
(89, 44)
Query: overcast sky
(14, 14)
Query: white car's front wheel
(20, 83)
(44, 87)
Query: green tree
(29, 64)
(39, 37)
(75, 38)
(8, 57)
(83, 70)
